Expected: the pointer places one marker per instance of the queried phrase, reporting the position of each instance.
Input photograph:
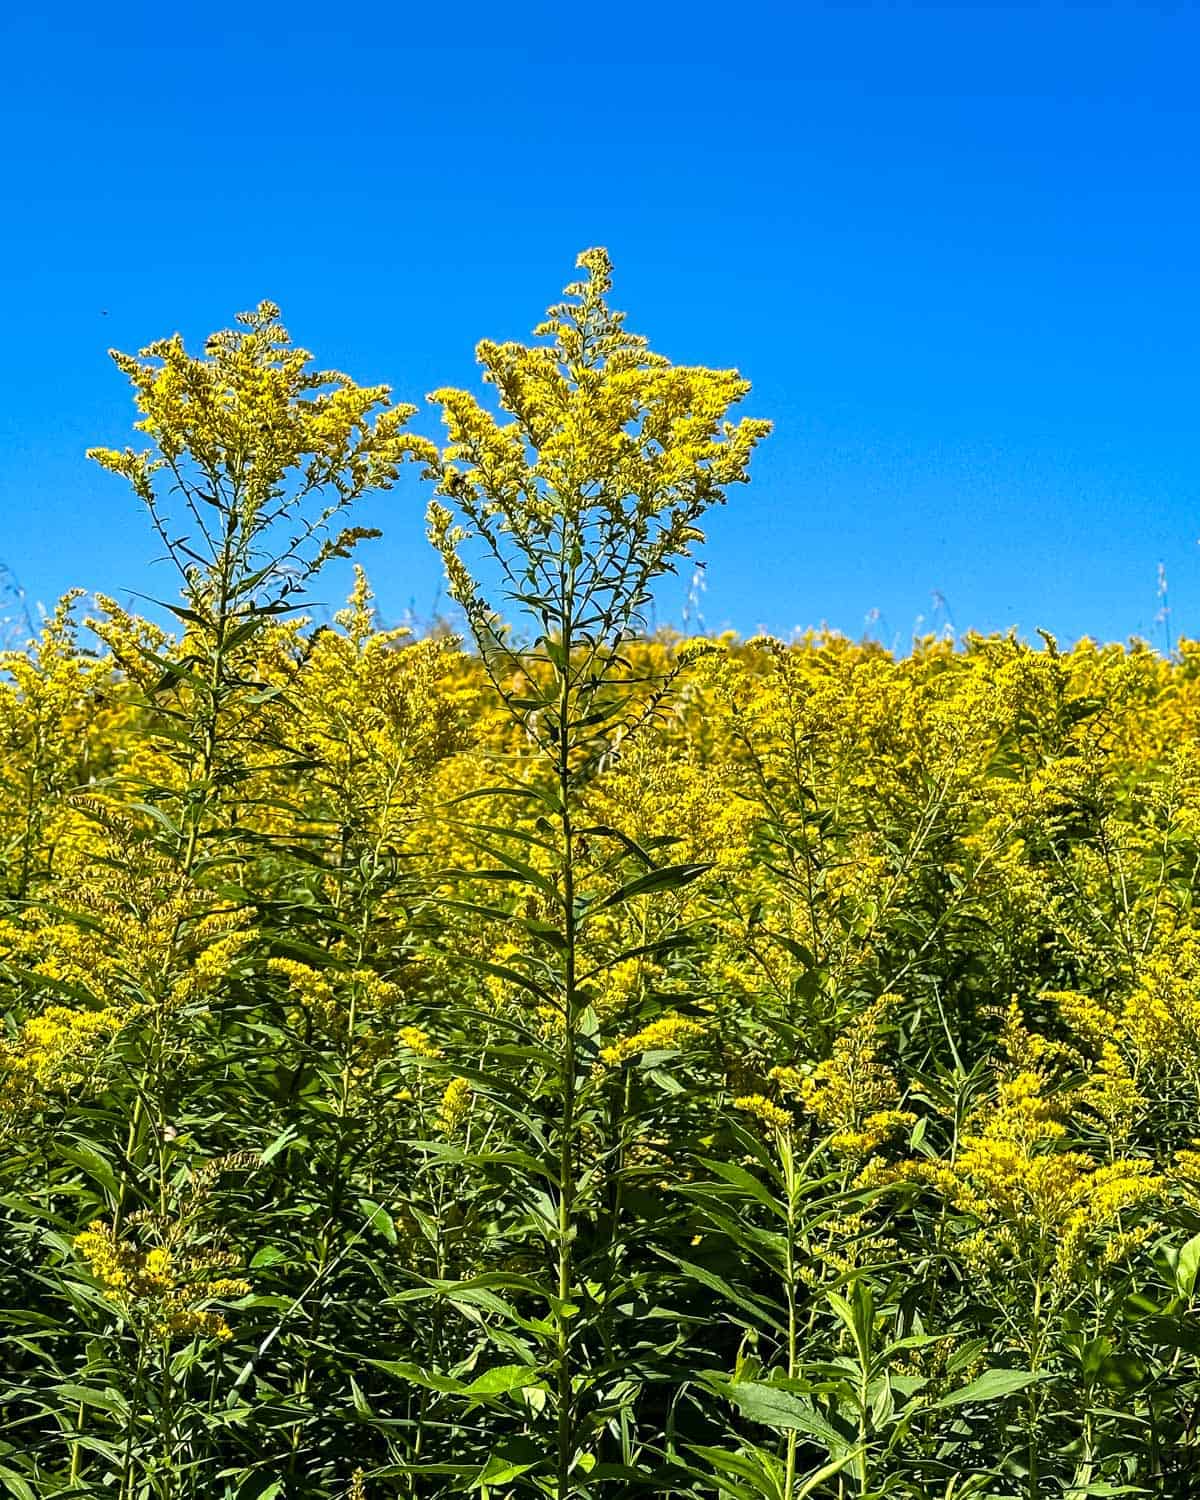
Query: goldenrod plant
(587, 488)
(572, 1058)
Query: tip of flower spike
(455, 1104)
(696, 648)
(596, 260)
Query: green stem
(135, 1406)
(76, 1450)
(1035, 1351)
(566, 1143)
(566, 1168)
(790, 1183)
(166, 1417)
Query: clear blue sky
(955, 247)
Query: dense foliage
(569, 1061)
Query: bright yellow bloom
(852, 1093)
(666, 1034)
(455, 1104)
(417, 1041)
(166, 1293)
(55, 1051)
(1038, 1206)
(763, 1109)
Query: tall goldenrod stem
(790, 1186)
(566, 1162)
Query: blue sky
(953, 246)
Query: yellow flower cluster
(1038, 1206)
(164, 1291)
(369, 713)
(57, 1050)
(455, 1104)
(852, 1094)
(666, 1034)
(418, 1042)
(596, 432)
(254, 410)
(1160, 1017)
(328, 999)
(58, 724)
(762, 1108)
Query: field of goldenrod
(562, 1060)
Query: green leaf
(724, 1289)
(15, 1484)
(498, 1381)
(737, 1176)
(509, 1461)
(502, 1378)
(782, 1410)
(1187, 1265)
(992, 1385)
(105, 1400)
(414, 1375)
(518, 868)
(827, 1471)
(379, 1219)
(605, 830)
(97, 1167)
(500, 1470)
(665, 878)
(280, 1143)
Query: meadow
(561, 1058)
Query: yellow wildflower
(852, 1093)
(164, 1291)
(418, 1042)
(56, 1050)
(763, 1109)
(668, 1033)
(455, 1104)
